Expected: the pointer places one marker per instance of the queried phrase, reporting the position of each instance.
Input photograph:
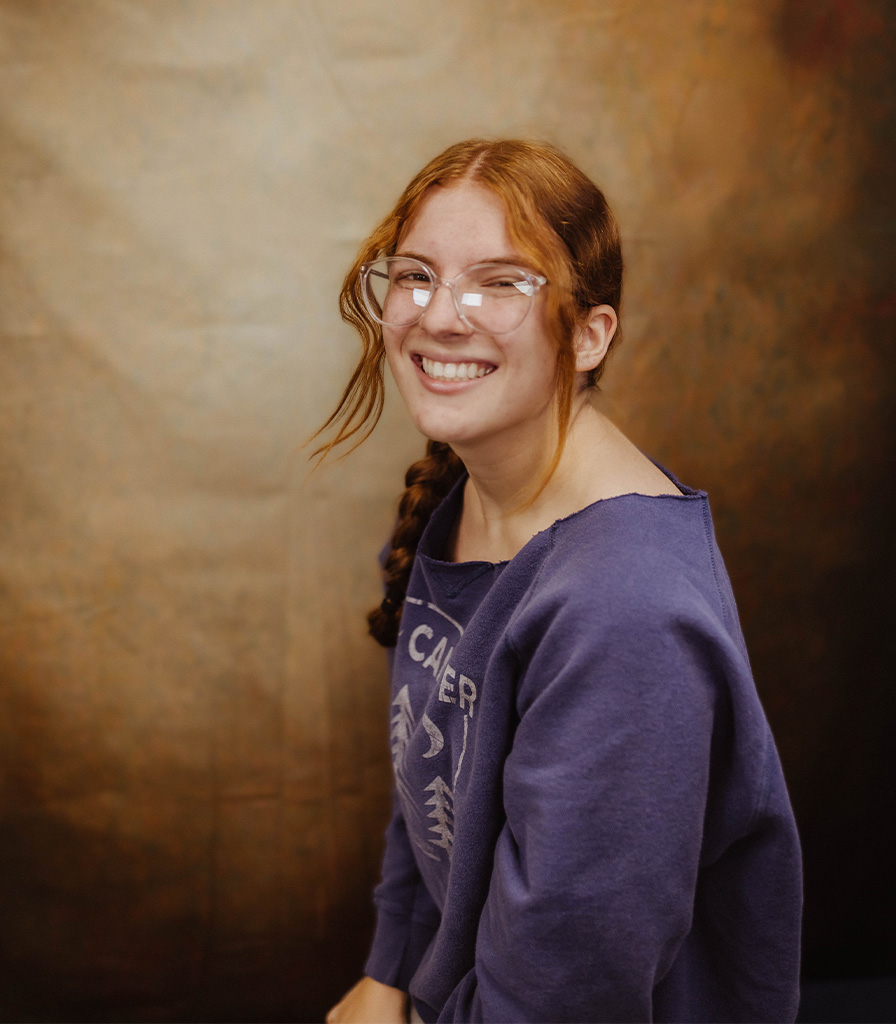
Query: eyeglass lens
(492, 297)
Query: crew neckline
(438, 530)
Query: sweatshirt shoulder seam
(710, 547)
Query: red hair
(558, 219)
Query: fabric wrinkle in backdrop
(193, 760)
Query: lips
(469, 370)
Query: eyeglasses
(490, 297)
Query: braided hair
(426, 484)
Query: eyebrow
(510, 261)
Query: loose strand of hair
(359, 410)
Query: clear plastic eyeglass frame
(480, 292)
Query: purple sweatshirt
(590, 823)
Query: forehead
(457, 225)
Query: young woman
(590, 819)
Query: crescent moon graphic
(436, 739)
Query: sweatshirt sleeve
(605, 792)
(406, 916)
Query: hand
(370, 1002)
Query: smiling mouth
(452, 371)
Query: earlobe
(594, 337)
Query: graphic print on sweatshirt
(427, 759)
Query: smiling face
(461, 386)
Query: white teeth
(454, 371)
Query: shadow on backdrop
(195, 771)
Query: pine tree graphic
(402, 725)
(442, 803)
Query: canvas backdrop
(194, 768)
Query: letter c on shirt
(423, 630)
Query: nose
(441, 316)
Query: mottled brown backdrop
(193, 763)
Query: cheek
(537, 359)
(392, 346)
(403, 371)
(540, 376)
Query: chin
(436, 427)
(441, 434)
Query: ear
(594, 336)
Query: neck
(503, 506)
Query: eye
(411, 278)
(497, 279)
(504, 284)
